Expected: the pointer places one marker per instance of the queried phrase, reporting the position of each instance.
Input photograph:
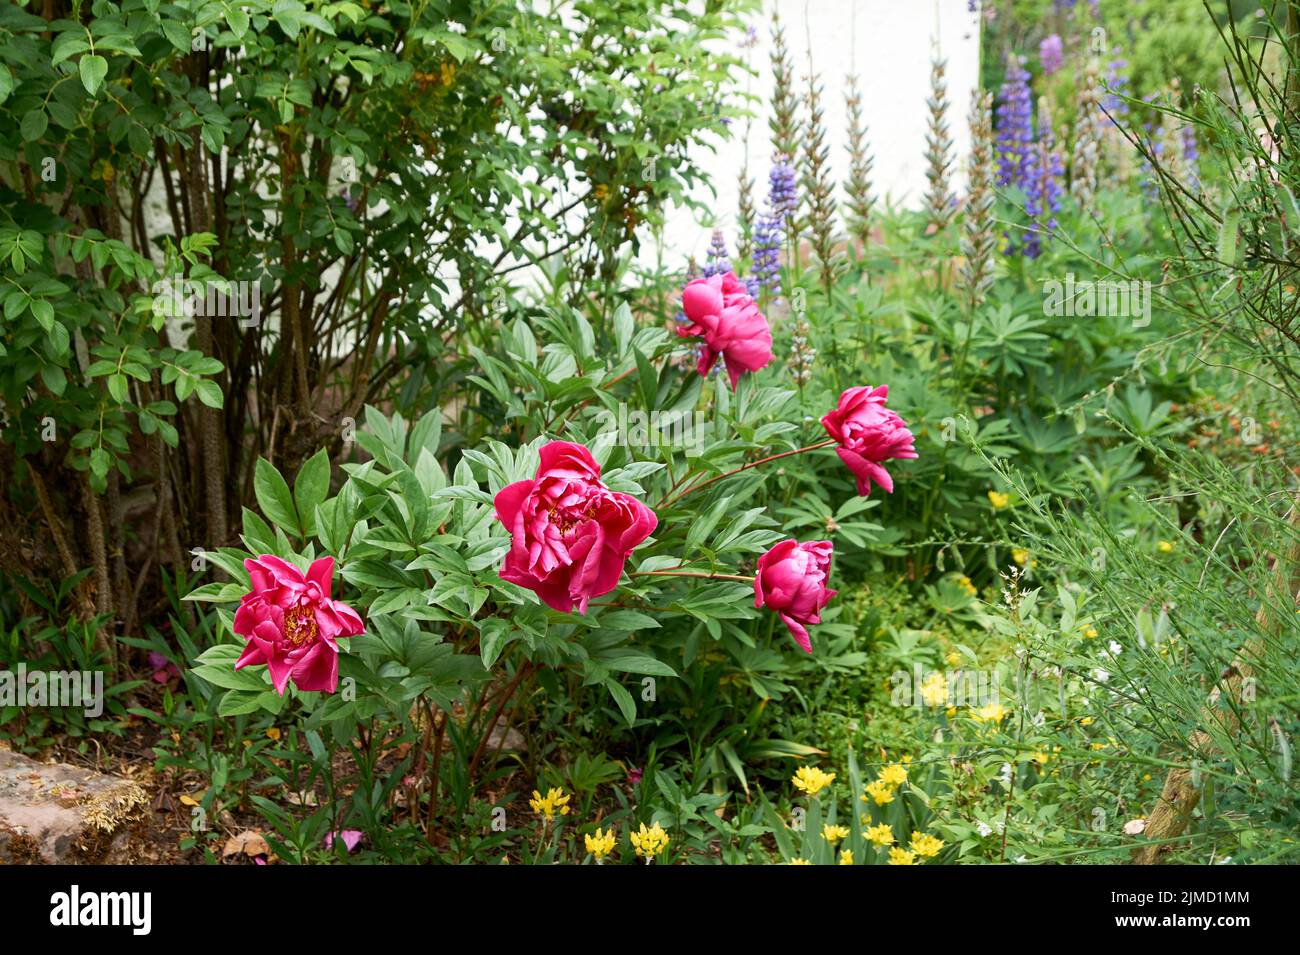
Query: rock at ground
(54, 813)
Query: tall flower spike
(716, 259)
(1050, 54)
(818, 185)
(802, 353)
(940, 202)
(978, 239)
(1085, 150)
(774, 225)
(745, 206)
(858, 186)
(1014, 124)
(784, 122)
(1043, 198)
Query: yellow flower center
(300, 627)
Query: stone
(53, 813)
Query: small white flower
(1100, 675)
(1020, 859)
(1115, 649)
(984, 829)
(455, 27)
(1135, 827)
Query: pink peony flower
(791, 580)
(720, 310)
(570, 534)
(292, 625)
(868, 434)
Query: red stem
(744, 467)
(689, 573)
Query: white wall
(888, 44)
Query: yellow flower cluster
(846, 857)
(934, 689)
(649, 843)
(882, 793)
(555, 802)
(600, 843)
(811, 780)
(834, 834)
(964, 583)
(895, 774)
(899, 856)
(999, 501)
(993, 712)
(887, 782)
(926, 845)
(881, 835)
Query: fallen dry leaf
(249, 842)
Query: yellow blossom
(811, 780)
(649, 842)
(899, 856)
(1086, 721)
(881, 835)
(600, 843)
(993, 712)
(556, 801)
(800, 862)
(1164, 547)
(846, 857)
(953, 658)
(1020, 556)
(882, 793)
(964, 583)
(924, 844)
(895, 774)
(999, 500)
(1089, 632)
(934, 689)
(834, 834)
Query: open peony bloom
(791, 580)
(720, 310)
(570, 534)
(292, 625)
(868, 434)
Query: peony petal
(321, 573)
(281, 669)
(700, 298)
(798, 631)
(318, 670)
(509, 501)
